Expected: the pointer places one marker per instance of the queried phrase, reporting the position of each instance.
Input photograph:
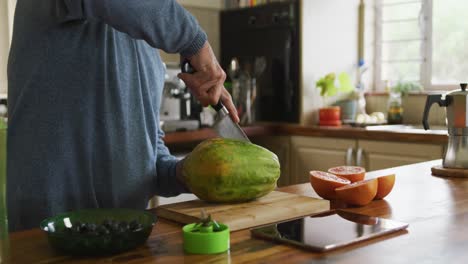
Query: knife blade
(224, 125)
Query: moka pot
(456, 104)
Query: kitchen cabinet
(280, 145)
(318, 153)
(376, 155)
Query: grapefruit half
(325, 183)
(352, 173)
(358, 193)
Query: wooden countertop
(408, 135)
(436, 209)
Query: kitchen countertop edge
(349, 132)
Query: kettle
(456, 104)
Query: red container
(330, 116)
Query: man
(85, 86)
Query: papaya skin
(228, 171)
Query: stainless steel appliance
(456, 104)
(176, 105)
(171, 104)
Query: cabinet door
(315, 153)
(378, 155)
(280, 145)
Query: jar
(395, 108)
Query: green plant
(206, 224)
(404, 88)
(327, 85)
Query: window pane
(401, 51)
(391, 11)
(401, 30)
(450, 34)
(408, 71)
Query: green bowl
(64, 233)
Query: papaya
(224, 170)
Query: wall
(6, 16)
(330, 44)
(207, 14)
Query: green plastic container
(206, 241)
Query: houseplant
(331, 115)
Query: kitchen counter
(402, 133)
(436, 209)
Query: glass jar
(395, 108)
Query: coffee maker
(176, 112)
(456, 104)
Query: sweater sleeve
(166, 181)
(163, 24)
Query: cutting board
(448, 172)
(274, 207)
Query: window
(421, 41)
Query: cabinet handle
(359, 157)
(349, 156)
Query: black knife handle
(187, 68)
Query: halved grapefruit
(352, 173)
(385, 185)
(325, 183)
(358, 193)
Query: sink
(409, 129)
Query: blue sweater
(85, 86)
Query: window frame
(426, 20)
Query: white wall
(207, 14)
(6, 25)
(330, 44)
(208, 18)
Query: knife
(224, 125)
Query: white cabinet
(318, 153)
(376, 155)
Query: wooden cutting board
(439, 170)
(274, 207)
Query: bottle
(4, 243)
(395, 108)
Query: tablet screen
(321, 233)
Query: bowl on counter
(98, 231)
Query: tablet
(328, 231)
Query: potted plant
(331, 115)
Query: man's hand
(207, 83)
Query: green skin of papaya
(227, 170)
